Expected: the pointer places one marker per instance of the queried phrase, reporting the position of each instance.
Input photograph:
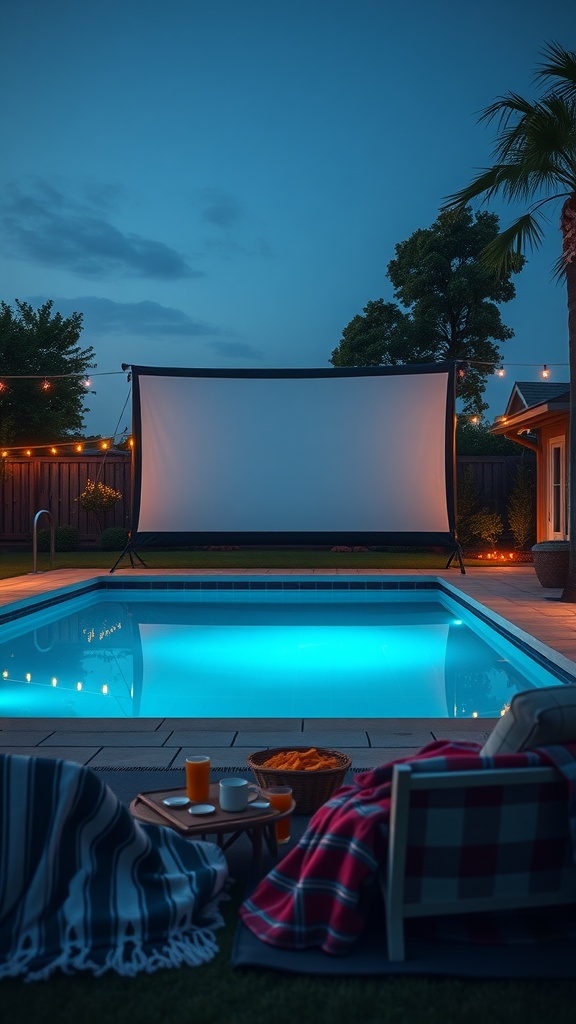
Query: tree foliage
(450, 305)
(38, 345)
(476, 439)
(535, 164)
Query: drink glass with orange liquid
(198, 779)
(281, 798)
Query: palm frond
(559, 69)
(487, 183)
(503, 253)
(559, 269)
(505, 107)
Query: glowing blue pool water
(245, 653)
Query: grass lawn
(20, 563)
(215, 994)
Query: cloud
(224, 213)
(45, 226)
(220, 208)
(146, 319)
(235, 350)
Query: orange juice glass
(281, 798)
(198, 779)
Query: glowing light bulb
(4, 674)
(54, 451)
(78, 686)
(54, 681)
(78, 447)
(474, 714)
(46, 385)
(104, 445)
(545, 372)
(105, 688)
(501, 371)
(28, 452)
(28, 677)
(87, 382)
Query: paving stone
(335, 738)
(262, 739)
(230, 758)
(207, 739)
(132, 757)
(372, 758)
(401, 738)
(107, 739)
(23, 738)
(82, 755)
(206, 724)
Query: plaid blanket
(84, 887)
(322, 891)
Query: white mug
(234, 794)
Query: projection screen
(305, 457)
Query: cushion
(535, 718)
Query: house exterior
(537, 416)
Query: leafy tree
(451, 307)
(535, 164)
(40, 342)
(476, 439)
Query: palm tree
(535, 154)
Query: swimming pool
(279, 647)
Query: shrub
(99, 499)
(486, 526)
(521, 510)
(474, 521)
(115, 538)
(65, 539)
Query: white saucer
(176, 801)
(261, 805)
(201, 809)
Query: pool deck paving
(511, 593)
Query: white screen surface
(342, 454)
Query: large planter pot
(551, 562)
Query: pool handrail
(43, 511)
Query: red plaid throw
(320, 893)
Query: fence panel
(30, 484)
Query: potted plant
(551, 562)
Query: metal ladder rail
(43, 511)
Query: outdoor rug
(424, 956)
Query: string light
(545, 372)
(46, 385)
(501, 371)
(54, 451)
(3, 387)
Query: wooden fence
(30, 484)
(494, 477)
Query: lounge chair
(488, 840)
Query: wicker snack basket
(310, 789)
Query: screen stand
(129, 550)
(457, 553)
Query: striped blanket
(84, 887)
(321, 893)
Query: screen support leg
(457, 553)
(128, 550)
